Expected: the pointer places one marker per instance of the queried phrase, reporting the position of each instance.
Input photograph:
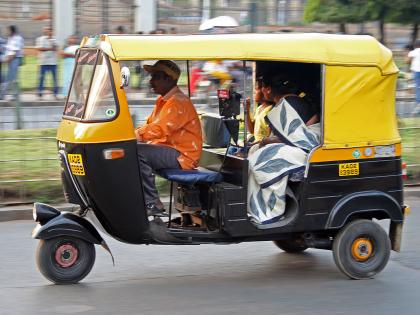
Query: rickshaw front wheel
(65, 260)
(291, 245)
(361, 249)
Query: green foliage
(405, 11)
(336, 11)
(378, 9)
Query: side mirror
(125, 77)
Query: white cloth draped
(271, 166)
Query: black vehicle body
(324, 202)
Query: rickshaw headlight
(43, 213)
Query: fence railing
(29, 167)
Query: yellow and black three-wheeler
(351, 179)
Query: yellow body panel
(332, 155)
(310, 48)
(119, 129)
(359, 107)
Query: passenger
(292, 122)
(277, 89)
(171, 137)
(257, 125)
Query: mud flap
(105, 246)
(395, 235)
(395, 230)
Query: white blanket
(271, 166)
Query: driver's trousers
(152, 158)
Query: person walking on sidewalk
(2, 51)
(68, 54)
(414, 61)
(13, 57)
(47, 48)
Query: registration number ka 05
(76, 164)
(348, 169)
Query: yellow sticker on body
(348, 169)
(76, 164)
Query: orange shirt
(174, 122)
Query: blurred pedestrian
(160, 31)
(407, 49)
(68, 54)
(2, 51)
(13, 57)
(47, 57)
(414, 60)
(120, 29)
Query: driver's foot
(152, 210)
(159, 204)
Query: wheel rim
(362, 249)
(66, 255)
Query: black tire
(291, 246)
(361, 249)
(65, 260)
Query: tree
(336, 11)
(379, 10)
(406, 12)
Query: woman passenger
(257, 125)
(277, 88)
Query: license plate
(76, 164)
(348, 169)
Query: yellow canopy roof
(355, 50)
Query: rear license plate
(348, 169)
(76, 164)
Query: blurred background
(29, 168)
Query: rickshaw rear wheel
(361, 249)
(291, 245)
(65, 260)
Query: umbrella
(220, 21)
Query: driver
(171, 136)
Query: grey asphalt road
(250, 278)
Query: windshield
(91, 94)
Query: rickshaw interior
(195, 203)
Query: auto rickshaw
(351, 179)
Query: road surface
(249, 278)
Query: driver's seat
(191, 177)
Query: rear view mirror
(125, 77)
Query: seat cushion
(190, 176)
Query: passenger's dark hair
(279, 85)
(120, 29)
(409, 47)
(13, 29)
